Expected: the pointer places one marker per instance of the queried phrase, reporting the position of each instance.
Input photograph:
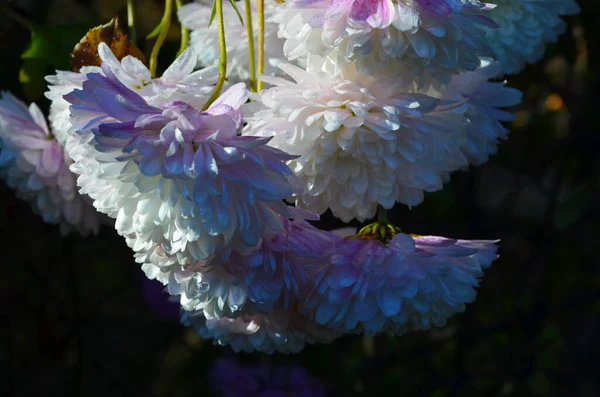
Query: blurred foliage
(74, 321)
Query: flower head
(524, 28)
(362, 141)
(33, 163)
(411, 282)
(420, 40)
(174, 175)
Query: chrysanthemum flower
(228, 379)
(362, 141)
(34, 164)
(196, 16)
(278, 331)
(421, 41)
(173, 175)
(525, 26)
(397, 282)
(178, 83)
(484, 101)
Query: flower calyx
(381, 231)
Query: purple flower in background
(230, 379)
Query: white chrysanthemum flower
(525, 26)
(362, 141)
(196, 16)
(173, 175)
(34, 164)
(420, 41)
(178, 83)
(278, 331)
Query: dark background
(74, 320)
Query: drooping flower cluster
(368, 104)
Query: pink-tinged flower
(278, 331)
(421, 41)
(173, 175)
(409, 282)
(34, 164)
(362, 141)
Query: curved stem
(166, 23)
(222, 55)
(131, 20)
(261, 42)
(185, 33)
(249, 31)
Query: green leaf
(237, 11)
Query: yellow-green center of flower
(380, 231)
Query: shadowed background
(77, 319)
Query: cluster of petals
(419, 41)
(369, 103)
(523, 29)
(196, 16)
(411, 283)
(35, 165)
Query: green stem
(185, 33)
(166, 24)
(260, 5)
(382, 215)
(222, 55)
(15, 16)
(251, 60)
(131, 20)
